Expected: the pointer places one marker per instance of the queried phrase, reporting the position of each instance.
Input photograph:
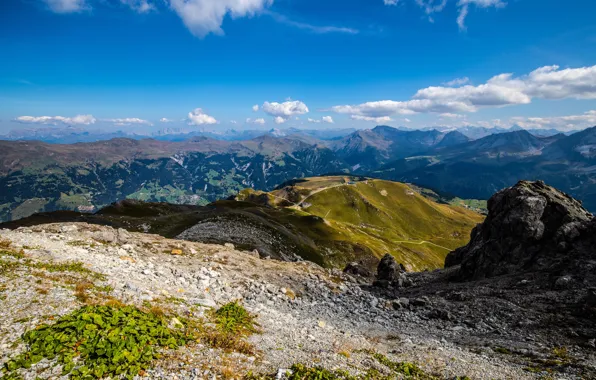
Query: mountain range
(72, 134)
(479, 168)
(37, 176)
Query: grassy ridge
(378, 216)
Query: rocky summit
(530, 227)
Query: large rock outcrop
(530, 227)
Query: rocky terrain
(533, 319)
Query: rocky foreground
(530, 319)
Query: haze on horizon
(146, 65)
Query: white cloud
(390, 2)
(127, 121)
(55, 120)
(233, 122)
(324, 119)
(463, 7)
(562, 123)
(407, 120)
(312, 28)
(166, 120)
(284, 110)
(279, 120)
(465, 4)
(547, 82)
(141, 6)
(448, 115)
(382, 119)
(432, 6)
(260, 121)
(457, 82)
(202, 17)
(198, 117)
(66, 6)
(255, 108)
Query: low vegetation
(395, 370)
(100, 341)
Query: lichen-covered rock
(530, 226)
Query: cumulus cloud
(381, 119)
(260, 121)
(284, 110)
(127, 121)
(66, 6)
(255, 108)
(55, 120)
(562, 123)
(549, 82)
(202, 17)
(198, 117)
(313, 120)
(390, 2)
(166, 120)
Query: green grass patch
(233, 318)
(13, 254)
(100, 341)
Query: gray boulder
(529, 227)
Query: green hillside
(380, 216)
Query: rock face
(530, 227)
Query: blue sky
(127, 64)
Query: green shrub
(99, 341)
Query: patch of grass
(399, 370)
(233, 318)
(5, 244)
(14, 254)
(232, 323)
(99, 341)
(561, 353)
(345, 354)
(407, 369)
(7, 266)
(81, 291)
